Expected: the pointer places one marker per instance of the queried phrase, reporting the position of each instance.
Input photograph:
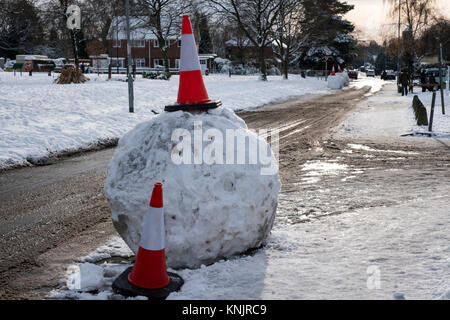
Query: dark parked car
(353, 74)
(388, 75)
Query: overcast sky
(371, 17)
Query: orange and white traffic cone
(339, 69)
(333, 71)
(192, 94)
(149, 277)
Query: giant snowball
(212, 210)
(345, 78)
(335, 82)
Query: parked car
(68, 66)
(59, 64)
(353, 74)
(9, 65)
(389, 75)
(370, 73)
(434, 72)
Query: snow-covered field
(39, 118)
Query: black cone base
(194, 107)
(122, 286)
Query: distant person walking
(431, 82)
(404, 81)
(423, 80)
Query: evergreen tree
(438, 32)
(205, 38)
(20, 28)
(326, 33)
(81, 45)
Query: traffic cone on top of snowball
(149, 277)
(333, 71)
(192, 94)
(339, 69)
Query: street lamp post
(398, 42)
(130, 78)
(441, 84)
(117, 44)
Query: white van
(370, 73)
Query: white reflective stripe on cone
(153, 234)
(189, 55)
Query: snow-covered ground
(376, 253)
(391, 115)
(38, 118)
(393, 250)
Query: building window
(155, 43)
(139, 43)
(117, 62)
(117, 43)
(202, 61)
(158, 62)
(177, 63)
(140, 62)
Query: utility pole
(129, 64)
(117, 43)
(398, 42)
(441, 82)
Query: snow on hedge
(39, 118)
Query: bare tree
(416, 15)
(163, 17)
(55, 13)
(98, 16)
(256, 19)
(287, 34)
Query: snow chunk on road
(211, 210)
(85, 277)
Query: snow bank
(212, 210)
(39, 118)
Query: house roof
(138, 29)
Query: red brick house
(243, 50)
(146, 49)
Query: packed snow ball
(336, 82)
(213, 209)
(345, 77)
